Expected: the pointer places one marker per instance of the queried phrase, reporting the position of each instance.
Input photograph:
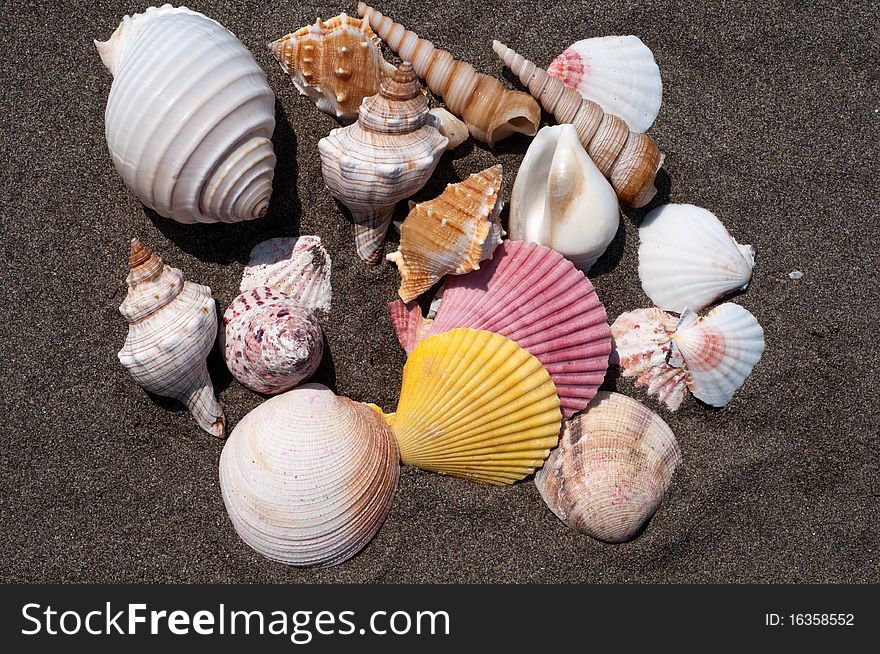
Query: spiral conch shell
(172, 328)
(629, 160)
(308, 477)
(490, 111)
(189, 118)
(449, 235)
(613, 465)
(386, 156)
(476, 405)
(336, 63)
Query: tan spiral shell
(629, 160)
(490, 111)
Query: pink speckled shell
(269, 341)
(535, 297)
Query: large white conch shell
(561, 200)
(687, 259)
(189, 118)
(172, 328)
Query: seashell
(535, 297)
(617, 72)
(613, 465)
(270, 342)
(491, 112)
(561, 200)
(451, 127)
(172, 325)
(308, 477)
(629, 160)
(386, 156)
(336, 63)
(687, 259)
(449, 235)
(712, 355)
(474, 404)
(299, 267)
(189, 117)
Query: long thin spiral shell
(490, 111)
(629, 160)
(189, 117)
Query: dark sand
(770, 119)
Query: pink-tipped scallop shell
(535, 297)
(449, 235)
(617, 72)
(299, 267)
(172, 326)
(308, 477)
(613, 465)
(269, 341)
(335, 63)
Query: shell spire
(490, 111)
(628, 159)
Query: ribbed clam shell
(687, 259)
(449, 235)
(172, 328)
(533, 296)
(490, 111)
(617, 72)
(308, 477)
(335, 63)
(718, 350)
(269, 341)
(386, 156)
(613, 465)
(561, 200)
(474, 404)
(189, 118)
(629, 160)
(300, 267)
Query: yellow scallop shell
(476, 405)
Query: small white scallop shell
(687, 259)
(299, 267)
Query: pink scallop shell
(535, 297)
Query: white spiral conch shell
(308, 477)
(189, 118)
(687, 259)
(300, 267)
(172, 328)
(561, 200)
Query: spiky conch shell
(474, 404)
(172, 328)
(688, 259)
(449, 235)
(335, 63)
(270, 342)
(490, 111)
(629, 160)
(300, 267)
(308, 478)
(535, 297)
(189, 117)
(386, 156)
(613, 465)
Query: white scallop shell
(617, 72)
(308, 477)
(189, 117)
(687, 259)
(299, 267)
(560, 198)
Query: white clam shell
(560, 199)
(189, 117)
(308, 477)
(299, 267)
(617, 72)
(687, 259)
